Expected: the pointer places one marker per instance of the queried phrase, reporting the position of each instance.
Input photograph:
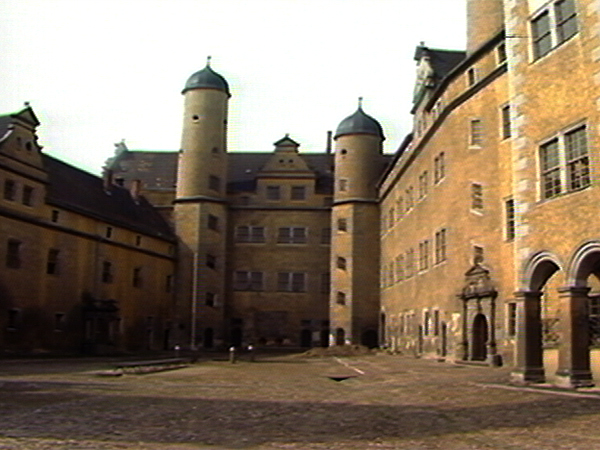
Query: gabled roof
(72, 188)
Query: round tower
(485, 18)
(354, 298)
(200, 211)
(202, 166)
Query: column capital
(574, 291)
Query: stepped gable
(77, 190)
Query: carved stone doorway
(479, 338)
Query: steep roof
(83, 192)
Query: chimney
(135, 189)
(108, 179)
(328, 147)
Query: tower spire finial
(360, 101)
(208, 58)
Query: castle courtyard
(288, 402)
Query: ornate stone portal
(479, 317)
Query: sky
(96, 72)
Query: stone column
(493, 358)
(574, 346)
(465, 332)
(530, 354)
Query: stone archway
(479, 338)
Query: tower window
(340, 298)
(471, 76)
(54, 216)
(343, 184)
(52, 262)
(342, 224)
(298, 193)
(108, 232)
(341, 263)
(210, 299)
(501, 53)
(213, 222)
(214, 183)
(477, 254)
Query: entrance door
(444, 349)
(480, 338)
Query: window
(10, 190)
(327, 201)
(509, 212)
(550, 164)
(298, 193)
(341, 263)
(342, 224)
(27, 195)
(424, 255)
(291, 281)
(248, 281)
(325, 282)
(340, 298)
(578, 164)
(439, 167)
(505, 117)
(108, 232)
(501, 53)
(107, 272)
(477, 254)
(137, 277)
(440, 246)
(511, 325)
(52, 262)
(13, 319)
(169, 283)
(292, 235)
(423, 185)
(273, 193)
(566, 22)
(540, 31)
(211, 261)
(476, 197)
(326, 236)
(476, 137)
(426, 323)
(210, 299)
(13, 254)
(246, 233)
(213, 222)
(214, 183)
(54, 216)
(59, 322)
(399, 268)
(138, 240)
(343, 184)
(471, 76)
(436, 322)
(409, 198)
(410, 263)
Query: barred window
(325, 282)
(342, 224)
(326, 236)
(107, 272)
(27, 195)
(550, 164)
(511, 326)
(423, 179)
(399, 268)
(137, 277)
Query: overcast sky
(96, 72)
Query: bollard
(251, 351)
(232, 355)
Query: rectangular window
(410, 263)
(477, 254)
(211, 261)
(214, 183)
(436, 322)
(298, 193)
(27, 195)
(343, 184)
(578, 163)
(399, 268)
(476, 197)
(423, 185)
(54, 216)
(566, 21)
(501, 53)
(13, 254)
(210, 299)
(409, 198)
(213, 222)
(246, 233)
(540, 31)
(107, 272)
(505, 115)
(426, 323)
(550, 165)
(169, 283)
(440, 246)
(341, 263)
(342, 224)
(291, 282)
(10, 190)
(273, 193)
(325, 283)
(291, 235)
(137, 277)
(471, 76)
(476, 136)
(326, 236)
(439, 167)
(511, 326)
(509, 211)
(340, 298)
(424, 255)
(138, 240)
(108, 232)
(13, 319)
(248, 281)
(52, 262)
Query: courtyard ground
(288, 402)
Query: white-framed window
(553, 25)
(564, 163)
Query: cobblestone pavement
(391, 402)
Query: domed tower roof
(359, 123)
(206, 79)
